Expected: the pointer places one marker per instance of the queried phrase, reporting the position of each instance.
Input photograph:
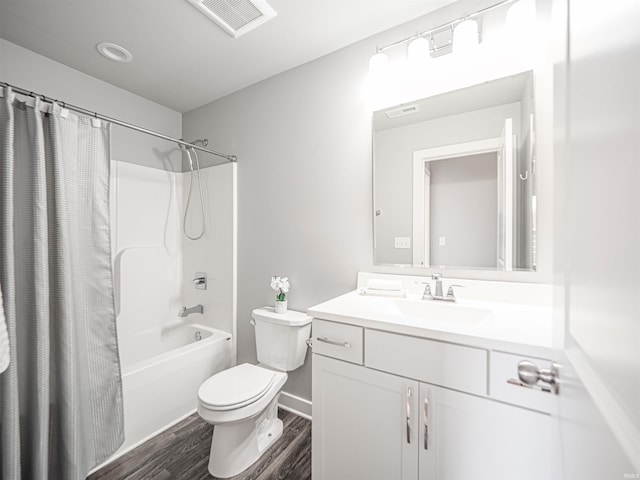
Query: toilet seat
(236, 387)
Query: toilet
(242, 402)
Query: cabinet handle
(426, 424)
(333, 342)
(408, 414)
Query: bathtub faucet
(184, 311)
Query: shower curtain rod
(84, 111)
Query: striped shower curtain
(61, 396)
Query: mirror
(454, 179)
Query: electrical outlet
(402, 242)
(442, 241)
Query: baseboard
(294, 404)
(118, 454)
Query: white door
(465, 436)
(364, 423)
(597, 128)
(505, 197)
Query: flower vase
(281, 306)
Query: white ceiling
(181, 58)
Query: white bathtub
(161, 373)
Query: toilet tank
(281, 338)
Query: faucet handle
(450, 293)
(426, 294)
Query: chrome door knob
(530, 374)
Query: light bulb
(418, 52)
(521, 20)
(378, 64)
(465, 37)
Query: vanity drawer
(444, 364)
(337, 340)
(504, 367)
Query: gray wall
(464, 206)
(304, 186)
(303, 141)
(31, 71)
(394, 168)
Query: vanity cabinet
(404, 407)
(474, 437)
(365, 423)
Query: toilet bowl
(242, 402)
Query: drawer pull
(539, 388)
(408, 414)
(426, 424)
(333, 342)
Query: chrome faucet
(184, 311)
(438, 294)
(438, 278)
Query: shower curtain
(61, 397)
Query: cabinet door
(365, 423)
(474, 437)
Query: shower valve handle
(200, 281)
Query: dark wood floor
(182, 453)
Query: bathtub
(162, 370)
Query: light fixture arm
(444, 26)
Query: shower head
(202, 141)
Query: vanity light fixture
(465, 33)
(114, 52)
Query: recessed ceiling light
(114, 52)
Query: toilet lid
(235, 387)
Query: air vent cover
(236, 17)
(399, 112)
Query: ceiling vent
(399, 112)
(236, 17)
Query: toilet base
(236, 446)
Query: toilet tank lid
(290, 318)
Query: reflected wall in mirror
(454, 179)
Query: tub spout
(184, 311)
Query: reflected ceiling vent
(236, 17)
(402, 111)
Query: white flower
(280, 285)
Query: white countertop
(511, 327)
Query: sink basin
(440, 312)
